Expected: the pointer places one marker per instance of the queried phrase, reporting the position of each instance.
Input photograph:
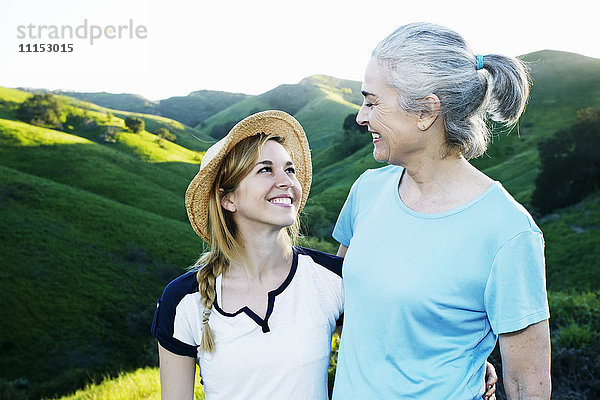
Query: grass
(142, 384)
(84, 274)
(100, 169)
(572, 239)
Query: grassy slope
(288, 98)
(142, 384)
(187, 137)
(573, 246)
(197, 106)
(90, 233)
(99, 169)
(320, 103)
(121, 101)
(562, 84)
(189, 110)
(80, 275)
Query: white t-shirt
(284, 356)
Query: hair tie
(479, 62)
(205, 315)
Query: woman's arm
(342, 251)
(177, 375)
(526, 362)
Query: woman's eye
(265, 169)
(291, 170)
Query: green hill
(319, 102)
(118, 101)
(80, 275)
(196, 107)
(189, 110)
(90, 232)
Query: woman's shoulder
(181, 286)
(378, 177)
(510, 213)
(318, 258)
(382, 172)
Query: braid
(214, 265)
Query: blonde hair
(222, 231)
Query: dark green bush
(135, 125)
(42, 110)
(569, 150)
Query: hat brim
(272, 122)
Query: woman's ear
(227, 202)
(428, 116)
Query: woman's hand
(490, 381)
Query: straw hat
(270, 122)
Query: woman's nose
(283, 180)
(361, 117)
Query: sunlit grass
(151, 148)
(17, 133)
(142, 384)
(13, 95)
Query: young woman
(257, 314)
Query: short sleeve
(515, 294)
(344, 227)
(170, 326)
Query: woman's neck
(438, 185)
(263, 254)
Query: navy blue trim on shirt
(163, 324)
(330, 262)
(264, 323)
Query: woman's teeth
(281, 200)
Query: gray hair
(423, 59)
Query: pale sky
(253, 46)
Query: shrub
(353, 137)
(42, 110)
(164, 133)
(81, 122)
(110, 134)
(574, 336)
(574, 149)
(135, 125)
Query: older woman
(440, 261)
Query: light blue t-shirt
(426, 295)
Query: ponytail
(509, 87)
